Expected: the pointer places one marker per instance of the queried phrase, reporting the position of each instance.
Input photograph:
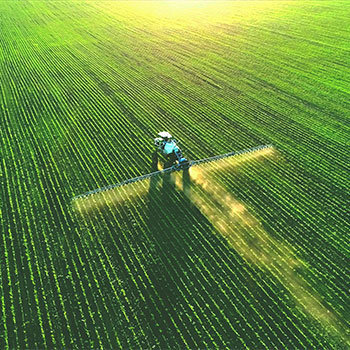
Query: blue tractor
(167, 146)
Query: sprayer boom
(173, 168)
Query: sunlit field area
(248, 252)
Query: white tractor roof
(164, 134)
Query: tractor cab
(167, 146)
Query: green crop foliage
(251, 252)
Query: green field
(251, 252)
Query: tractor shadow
(182, 265)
